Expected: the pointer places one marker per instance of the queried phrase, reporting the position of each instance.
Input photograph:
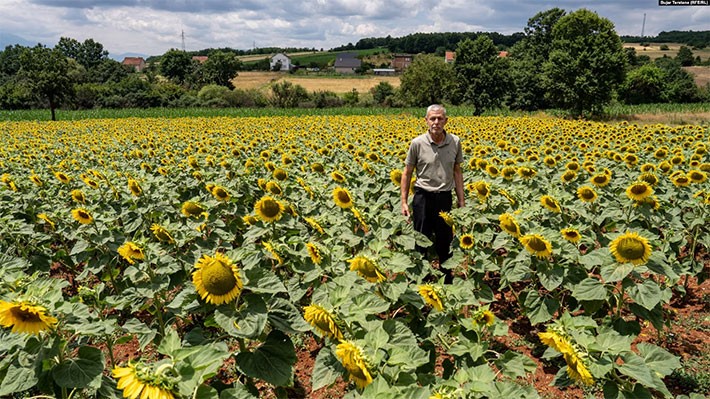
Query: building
(136, 63)
(400, 62)
(280, 59)
(347, 63)
(450, 57)
(200, 58)
(502, 54)
(383, 71)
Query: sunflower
(353, 360)
(342, 198)
(526, 172)
(162, 234)
(537, 245)
(680, 180)
(337, 176)
(639, 190)
(600, 179)
(137, 381)
(36, 180)
(249, 220)
(314, 224)
(509, 224)
(135, 188)
(466, 241)
(192, 209)
(570, 234)
(62, 177)
(432, 296)
(492, 170)
(280, 174)
(270, 249)
(82, 216)
(269, 209)
(314, 253)
(550, 203)
(508, 172)
(323, 321)
(447, 218)
(586, 194)
(78, 196)
(556, 341)
(217, 279)
(396, 177)
(318, 167)
(360, 219)
(649, 177)
(697, 176)
(25, 317)
(131, 252)
(630, 247)
(482, 190)
(484, 317)
(507, 195)
(367, 269)
(577, 370)
(220, 193)
(568, 176)
(46, 219)
(273, 187)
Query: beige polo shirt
(434, 162)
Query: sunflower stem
(109, 347)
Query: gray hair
(436, 108)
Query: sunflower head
(697, 176)
(162, 234)
(509, 224)
(269, 209)
(600, 179)
(217, 279)
(78, 196)
(568, 176)
(353, 359)
(432, 296)
(586, 194)
(337, 177)
(82, 216)
(273, 187)
(220, 193)
(367, 269)
(192, 209)
(570, 234)
(639, 190)
(314, 253)
(25, 317)
(280, 174)
(135, 188)
(323, 321)
(131, 252)
(483, 317)
(630, 247)
(137, 380)
(447, 218)
(396, 177)
(550, 203)
(342, 198)
(537, 245)
(466, 241)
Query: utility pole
(643, 27)
(183, 39)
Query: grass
(667, 113)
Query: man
(437, 157)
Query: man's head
(436, 118)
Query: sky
(152, 27)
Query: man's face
(436, 120)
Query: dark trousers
(425, 214)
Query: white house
(280, 58)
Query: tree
(679, 85)
(527, 58)
(685, 56)
(480, 74)
(46, 72)
(382, 93)
(587, 62)
(89, 54)
(176, 65)
(287, 95)
(220, 68)
(428, 80)
(645, 84)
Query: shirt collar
(431, 140)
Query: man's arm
(458, 183)
(404, 188)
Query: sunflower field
(218, 244)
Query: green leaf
(272, 361)
(84, 371)
(144, 333)
(616, 272)
(537, 309)
(596, 258)
(551, 278)
(635, 367)
(170, 343)
(197, 364)
(658, 359)
(589, 289)
(79, 247)
(326, 369)
(480, 378)
(366, 304)
(612, 342)
(238, 392)
(206, 392)
(263, 281)
(646, 294)
(284, 316)
(407, 358)
(515, 364)
(251, 319)
(17, 379)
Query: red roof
(133, 61)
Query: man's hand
(405, 210)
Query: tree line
(571, 61)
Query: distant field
(654, 51)
(337, 84)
